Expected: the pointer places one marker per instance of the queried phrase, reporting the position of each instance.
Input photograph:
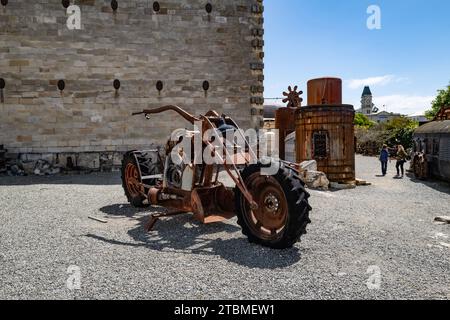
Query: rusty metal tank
(325, 132)
(285, 117)
(325, 91)
(285, 123)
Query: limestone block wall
(181, 45)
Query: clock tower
(366, 101)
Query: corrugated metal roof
(435, 127)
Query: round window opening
(116, 84)
(156, 6)
(159, 86)
(114, 5)
(208, 7)
(61, 85)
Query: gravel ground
(386, 229)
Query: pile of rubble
(318, 180)
(40, 167)
(51, 164)
(312, 178)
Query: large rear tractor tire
(131, 181)
(283, 210)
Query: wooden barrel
(325, 133)
(325, 91)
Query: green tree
(400, 123)
(396, 131)
(363, 121)
(400, 131)
(442, 100)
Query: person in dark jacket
(384, 158)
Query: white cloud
(403, 104)
(373, 81)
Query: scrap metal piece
(443, 114)
(155, 217)
(196, 188)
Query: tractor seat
(225, 128)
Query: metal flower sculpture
(293, 97)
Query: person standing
(401, 160)
(384, 158)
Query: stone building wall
(181, 45)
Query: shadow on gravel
(183, 235)
(437, 185)
(96, 179)
(126, 210)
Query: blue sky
(405, 62)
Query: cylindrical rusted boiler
(325, 133)
(285, 123)
(325, 130)
(325, 91)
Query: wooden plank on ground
(98, 219)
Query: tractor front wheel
(131, 181)
(283, 210)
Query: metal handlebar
(186, 115)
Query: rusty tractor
(272, 210)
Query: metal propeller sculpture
(293, 97)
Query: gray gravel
(45, 229)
